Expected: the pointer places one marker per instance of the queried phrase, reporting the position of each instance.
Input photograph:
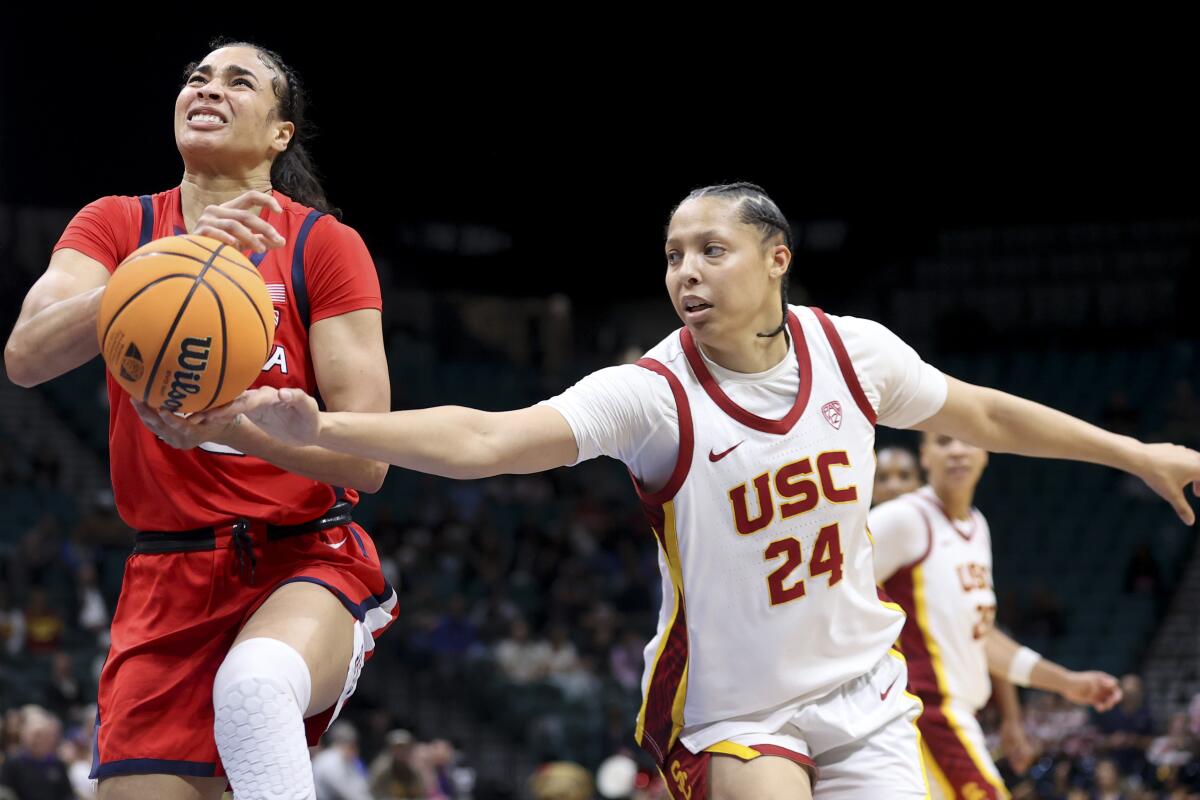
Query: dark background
(577, 150)
(1023, 212)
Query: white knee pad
(259, 698)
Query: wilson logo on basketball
(132, 365)
(193, 360)
(833, 413)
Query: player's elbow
(373, 477)
(484, 457)
(18, 365)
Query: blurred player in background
(933, 556)
(896, 473)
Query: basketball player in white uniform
(749, 438)
(897, 473)
(933, 556)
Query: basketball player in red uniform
(251, 599)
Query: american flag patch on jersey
(278, 293)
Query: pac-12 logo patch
(833, 413)
(132, 365)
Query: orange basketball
(185, 323)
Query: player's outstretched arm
(1024, 667)
(1002, 423)
(451, 441)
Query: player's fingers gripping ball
(185, 323)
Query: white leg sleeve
(260, 694)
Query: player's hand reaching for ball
(1168, 469)
(289, 415)
(183, 433)
(1099, 690)
(235, 223)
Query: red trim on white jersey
(928, 539)
(935, 502)
(683, 462)
(845, 364)
(714, 391)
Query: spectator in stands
(392, 774)
(1108, 782)
(76, 753)
(522, 659)
(34, 771)
(1058, 727)
(93, 610)
(625, 662)
(578, 681)
(562, 656)
(1057, 782)
(495, 615)
(43, 623)
(454, 634)
(435, 762)
(561, 780)
(1174, 748)
(64, 692)
(1025, 790)
(1128, 728)
(11, 733)
(338, 773)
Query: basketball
(185, 323)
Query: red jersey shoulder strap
(845, 364)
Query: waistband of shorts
(199, 539)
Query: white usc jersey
(947, 594)
(769, 593)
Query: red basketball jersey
(322, 271)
